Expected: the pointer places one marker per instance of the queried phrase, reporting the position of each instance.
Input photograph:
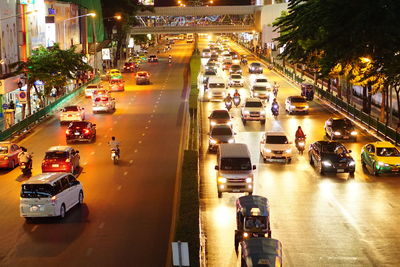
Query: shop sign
(27, 2)
(105, 54)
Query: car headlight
(246, 112)
(245, 235)
(222, 180)
(223, 93)
(267, 150)
(292, 106)
(336, 133)
(301, 144)
(289, 150)
(209, 94)
(229, 123)
(212, 141)
(255, 94)
(326, 163)
(231, 141)
(352, 163)
(380, 163)
(353, 133)
(249, 180)
(262, 112)
(213, 123)
(306, 106)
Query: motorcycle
(275, 110)
(114, 156)
(169, 60)
(236, 101)
(26, 168)
(275, 91)
(228, 105)
(300, 144)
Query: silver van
(50, 194)
(234, 169)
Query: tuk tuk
(261, 252)
(252, 218)
(117, 85)
(307, 90)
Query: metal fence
(37, 116)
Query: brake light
(67, 160)
(68, 132)
(86, 131)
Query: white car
(261, 80)
(236, 80)
(253, 110)
(275, 145)
(49, 195)
(72, 113)
(206, 53)
(103, 104)
(261, 91)
(91, 88)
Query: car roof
(247, 203)
(142, 72)
(383, 144)
(45, 178)
(59, 148)
(234, 150)
(253, 99)
(216, 80)
(221, 126)
(296, 96)
(71, 106)
(255, 63)
(323, 142)
(275, 133)
(220, 111)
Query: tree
(53, 66)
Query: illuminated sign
(147, 2)
(27, 2)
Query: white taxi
(72, 113)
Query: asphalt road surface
(331, 220)
(127, 213)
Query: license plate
(395, 169)
(77, 133)
(55, 165)
(340, 170)
(34, 208)
(235, 190)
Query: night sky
(216, 2)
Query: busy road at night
(321, 220)
(126, 216)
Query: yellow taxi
(380, 157)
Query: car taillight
(86, 131)
(67, 160)
(68, 132)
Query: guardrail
(37, 116)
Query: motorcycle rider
(236, 94)
(275, 88)
(169, 59)
(236, 98)
(228, 101)
(25, 157)
(299, 134)
(114, 145)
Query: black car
(152, 58)
(340, 128)
(81, 131)
(255, 67)
(333, 157)
(129, 66)
(220, 134)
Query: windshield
(220, 115)
(259, 88)
(253, 104)
(255, 223)
(56, 155)
(261, 80)
(71, 108)
(37, 191)
(210, 72)
(235, 164)
(298, 100)
(329, 148)
(255, 64)
(221, 131)
(92, 87)
(276, 139)
(341, 123)
(236, 77)
(142, 74)
(216, 85)
(206, 50)
(3, 150)
(235, 67)
(82, 124)
(387, 152)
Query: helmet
(113, 138)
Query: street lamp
(25, 13)
(65, 20)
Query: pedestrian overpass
(201, 19)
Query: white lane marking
(106, 136)
(154, 110)
(140, 141)
(130, 103)
(119, 187)
(34, 228)
(125, 173)
(147, 127)
(149, 121)
(136, 150)
(89, 251)
(115, 122)
(92, 153)
(131, 161)
(99, 144)
(143, 134)
(101, 225)
(151, 116)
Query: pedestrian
(11, 105)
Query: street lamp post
(65, 20)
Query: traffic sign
(22, 97)
(5, 106)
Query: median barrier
(36, 117)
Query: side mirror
(349, 151)
(77, 151)
(76, 182)
(94, 125)
(216, 167)
(254, 167)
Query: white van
(216, 89)
(234, 169)
(50, 194)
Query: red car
(129, 66)
(9, 155)
(81, 131)
(61, 159)
(117, 85)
